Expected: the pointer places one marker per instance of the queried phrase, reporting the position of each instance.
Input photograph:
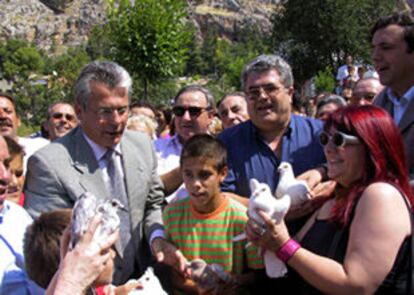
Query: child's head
(42, 248)
(42, 245)
(203, 167)
(15, 187)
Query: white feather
(150, 284)
(297, 190)
(85, 208)
(263, 199)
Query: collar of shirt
(402, 101)
(175, 144)
(99, 151)
(287, 132)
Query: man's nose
(231, 115)
(4, 174)
(116, 117)
(186, 115)
(375, 54)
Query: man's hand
(313, 177)
(167, 253)
(320, 194)
(319, 191)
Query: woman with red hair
(358, 242)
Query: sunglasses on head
(338, 139)
(179, 111)
(68, 117)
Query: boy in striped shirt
(204, 224)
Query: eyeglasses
(59, 116)
(365, 96)
(106, 113)
(256, 91)
(338, 139)
(194, 112)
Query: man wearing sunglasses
(193, 112)
(365, 90)
(10, 123)
(393, 57)
(273, 134)
(61, 119)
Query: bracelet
(287, 250)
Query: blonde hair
(149, 123)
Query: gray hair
(50, 107)
(237, 93)
(267, 62)
(332, 98)
(194, 88)
(105, 72)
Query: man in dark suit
(393, 57)
(81, 161)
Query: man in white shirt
(10, 122)
(193, 111)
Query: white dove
(298, 190)
(83, 211)
(261, 198)
(209, 277)
(86, 207)
(110, 220)
(150, 284)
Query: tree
(316, 34)
(38, 80)
(149, 38)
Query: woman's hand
(268, 235)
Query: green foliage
(325, 81)
(149, 38)
(222, 60)
(20, 60)
(159, 93)
(38, 80)
(314, 34)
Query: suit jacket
(60, 172)
(406, 127)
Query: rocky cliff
(57, 24)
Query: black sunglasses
(339, 139)
(68, 117)
(179, 111)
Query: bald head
(365, 91)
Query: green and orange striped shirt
(209, 236)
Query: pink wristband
(287, 250)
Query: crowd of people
(182, 175)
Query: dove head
(150, 284)
(284, 167)
(257, 188)
(117, 204)
(197, 266)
